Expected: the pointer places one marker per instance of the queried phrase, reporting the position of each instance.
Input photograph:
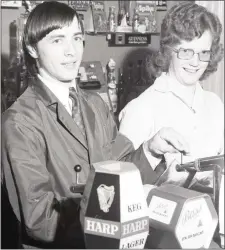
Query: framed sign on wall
(161, 5)
(79, 5)
(11, 4)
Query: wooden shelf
(93, 33)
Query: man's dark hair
(43, 19)
(187, 21)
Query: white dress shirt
(162, 105)
(60, 90)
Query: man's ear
(32, 51)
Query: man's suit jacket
(41, 145)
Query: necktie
(76, 112)
(159, 170)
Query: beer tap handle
(215, 164)
(77, 169)
(79, 186)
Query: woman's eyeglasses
(187, 54)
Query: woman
(190, 51)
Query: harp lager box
(180, 218)
(114, 207)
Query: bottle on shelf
(135, 22)
(128, 18)
(152, 17)
(112, 19)
(120, 90)
(147, 24)
(120, 16)
(112, 84)
(130, 72)
(141, 80)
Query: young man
(48, 136)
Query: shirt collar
(198, 101)
(60, 90)
(166, 83)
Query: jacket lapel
(89, 121)
(65, 119)
(62, 116)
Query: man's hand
(167, 140)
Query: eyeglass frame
(178, 50)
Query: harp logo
(105, 197)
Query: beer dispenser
(184, 218)
(117, 211)
(114, 207)
(180, 218)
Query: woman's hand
(167, 140)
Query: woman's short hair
(186, 21)
(43, 19)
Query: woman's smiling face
(188, 72)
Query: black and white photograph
(112, 124)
